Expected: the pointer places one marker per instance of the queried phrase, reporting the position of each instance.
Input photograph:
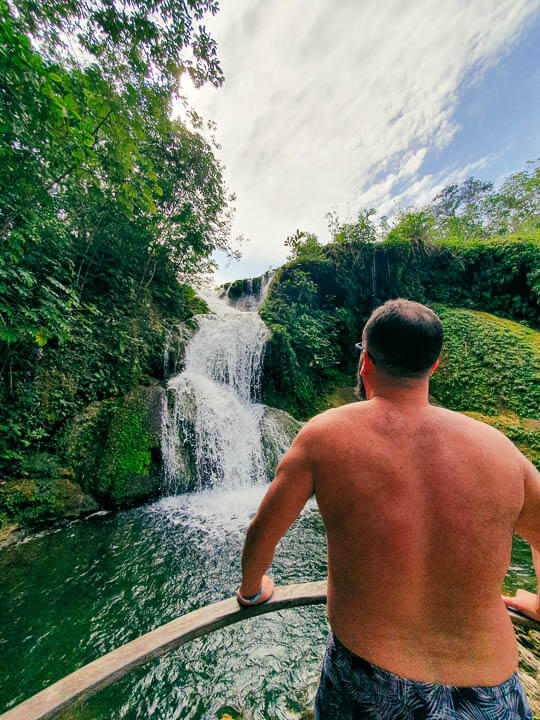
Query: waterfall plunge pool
(74, 592)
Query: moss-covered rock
(114, 447)
(278, 430)
(128, 471)
(84, 441)
(44, 491)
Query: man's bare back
(419, 509)
(419, 505)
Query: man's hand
(526, 602)
(267, 592)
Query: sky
(338, 105)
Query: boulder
(278, 430)
(44, 492)
(114, 447)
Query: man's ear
(366, 363)
(435, 366)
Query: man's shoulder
(477, 432)
(335, 416)
(330, 424)
(465, 422)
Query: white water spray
(215, 433)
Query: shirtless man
(419, 504)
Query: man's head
(402, 340)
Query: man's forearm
(256, 558)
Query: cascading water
(215, 432)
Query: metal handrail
(86, 681)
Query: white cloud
(334, 103)
(413, 162)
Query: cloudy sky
(344, 104)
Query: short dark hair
(404, 338)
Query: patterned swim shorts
(351, 688)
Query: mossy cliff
(488, 365)
(316, 309)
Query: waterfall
(373, 274)
(253, 292)
(215, 431)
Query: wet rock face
(45, 492)
(248, 293)
(215, 431)
(278, 430)
(275, 428)
(176, 343)
(113, 448)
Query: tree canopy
(108, 206)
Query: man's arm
(528, 526)
(288, 493)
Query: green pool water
(72, 593)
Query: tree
(461, 209)
(105, 202)
(413, 226)
(304, 246)
(126, 41)
(361, 231)
(516, 201)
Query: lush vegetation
(474, 247)
(108, 211)
(488, 364)
(108, 208)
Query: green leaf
(42, 336)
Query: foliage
(304, 246)
(476, 209)
(361, 231)
(127, 41)
(488, 365)
(458, 210)
(304, 351)
(499, 275)
(318, 304)
(108, 208)
(42, 492)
